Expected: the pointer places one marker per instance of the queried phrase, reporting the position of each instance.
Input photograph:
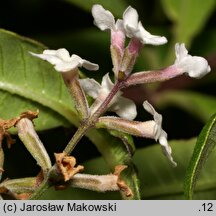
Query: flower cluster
(107, 95)
(124, 58)
(129, 25)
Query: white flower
(123, 107)
(130, 25)
(64, 62)
(195, 66)
(134, 28)
(160, 134)
(104, 19)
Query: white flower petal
(125, 108)
(49, 52)
(90, 86)
(106, 87)
(78, 60)
(157, 118)
(83, 63)
(180, 51)
(106, 83)
(63, 62)
(130, 25)
(66, 66)
(51, 59)
(166, 147)
(130, 20)
(160, 134)
(63, 54)
(194, 66)
(149, 108)
(103, 19)
(89, 66)
(134, 28)
(147, 38)
(119, 25)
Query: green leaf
(159, 180)
(126, 139)
(200, 105)
(30, 83)
(27, 83)
(204, 146)
(189, 16)
(116, 7)
(157, 177)
(115, 153)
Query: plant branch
(90, 122)
(81, 131)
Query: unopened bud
(32, 142)
(116, 55)
(18, 186)
(141, 129)
(78, 96)
(130, 55)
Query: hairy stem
(81, 131)
(88, 123)
(153, 76)
(40, 190)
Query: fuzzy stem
(92, 119)
(40, 190)
(82, 130)
(76, 138)
(153, 76)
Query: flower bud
(32, 142)
(141, 129)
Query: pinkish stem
(153, 76)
